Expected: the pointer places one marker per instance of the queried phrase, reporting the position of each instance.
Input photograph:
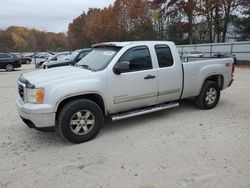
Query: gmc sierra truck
(118, 80)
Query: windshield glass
(73, 55)
(98, 59)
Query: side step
(143, 111)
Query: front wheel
(9, 67)
(80, 120)
(209, 95)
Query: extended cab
(119, 80)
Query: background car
(75, 56)
(23, 59)
(44, 55)
(57, 57)
(9, 61)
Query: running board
(143, 111)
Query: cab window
(164, 56)
(139, 59)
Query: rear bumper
(36, 116)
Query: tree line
(181, 21)
(21, 39)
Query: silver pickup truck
(118, 80)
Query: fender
(81, 94)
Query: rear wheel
(9, 67)
(209, 95)
(27, 61)
(80, 120)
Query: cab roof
(127, 43)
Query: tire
(27, 61)
(80, 120)
(9, 67)
(209, 95)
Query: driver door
(138, 86)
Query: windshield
(73, 55)
(98, 59)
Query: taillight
(233, 68)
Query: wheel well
(93, 97)
(216, 78)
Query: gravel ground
(182, 147)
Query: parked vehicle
(29, 54)
(75, 56)
(119, 80)
(9, 61)
(57, 57)
(44, 55)
(23, 59)
(195, 54)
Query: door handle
(149, 77)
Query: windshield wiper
(84, 66)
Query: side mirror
(121, 67)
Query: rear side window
(4, 56)
(139, 59)
(164, 56)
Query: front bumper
(36, 115)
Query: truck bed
(195, 72)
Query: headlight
(35, 95)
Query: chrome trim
(24, 91)
(144, 111)
(21, 83)
(166, 92)
(121, 99)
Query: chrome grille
(21, 90)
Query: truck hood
(59, 74)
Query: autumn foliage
(181, 21)
(21, 39)
(125, 20)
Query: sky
(48, 15)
